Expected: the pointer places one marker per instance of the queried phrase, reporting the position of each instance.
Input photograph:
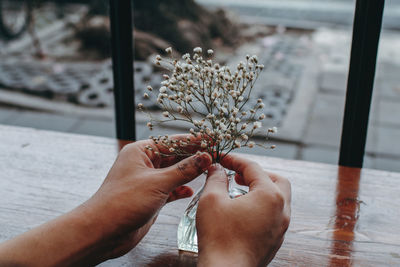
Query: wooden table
(340, 216)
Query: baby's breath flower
(203, 144)
(256, 125)
(238, 144)
(273, 130)
(190, 83)
(140, 106)
(149, 88)
(216, 95)
(198, 50)
(168, 50)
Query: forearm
(70, 239)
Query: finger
(179, 193)
(283, 184)
(251, 172)
(217, 181)
(185, 170)
(193, 143)
(188, 144)
(239, 179)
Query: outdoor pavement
(318, 136)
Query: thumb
(217, 181)
(186, 170)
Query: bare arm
(116, 217)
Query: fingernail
(202, 160)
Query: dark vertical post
(122, 58)
(366, 32)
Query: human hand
(138, 185)
(248, 230)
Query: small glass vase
(187, 234)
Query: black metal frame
(122, 57)
(366, 33)
(360, 84)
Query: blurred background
(55, 66)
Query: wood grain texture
(340, 216)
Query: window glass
(383, 147)
(55, 66)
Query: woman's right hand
(248, 230)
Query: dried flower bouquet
(212, 100)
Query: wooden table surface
(340, 216)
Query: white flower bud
(190, 83)
(262, 116)
(251, 144)
(203, 144)
(198, 50)
(210, 52)
(256, 125)
(149, 88)
(163, 89)
(172, 150)
(158, 58)
(235, 111)
(188, 98)
(146, 95)
(273, 130)
(168, 50)
(165, 114)
(140, 106)
(237, 144)
(244, 126)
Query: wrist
(238, 257)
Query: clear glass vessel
(187, 235)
